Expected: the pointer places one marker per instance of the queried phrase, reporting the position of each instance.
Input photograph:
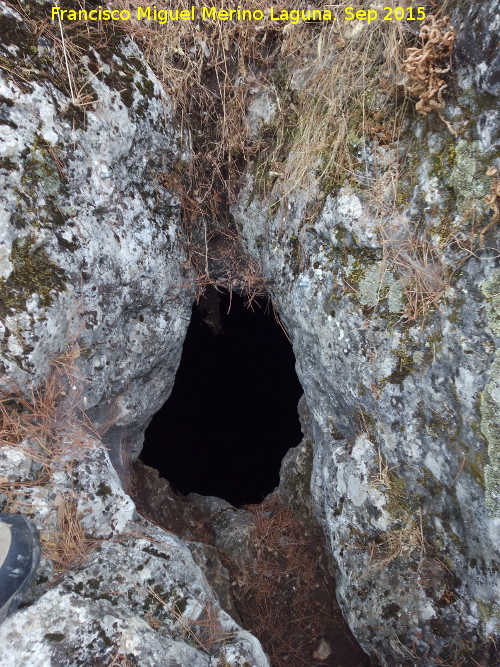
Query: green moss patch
(103, 490)
(33, 273)
(468, 176)
(55, 636)
(491, 290)
(490, 425)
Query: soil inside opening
(268, 567)
(232, 414)
(224, 431)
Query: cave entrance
(232, 414)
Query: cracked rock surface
(403, 413)
(401, 460)
(89, 239)
(91, 259)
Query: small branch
(460, 468)
(450, 129)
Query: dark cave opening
(232, 414)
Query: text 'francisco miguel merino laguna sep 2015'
(161, 16)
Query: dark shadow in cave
(232, 414)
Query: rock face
(396, 350)
(404, 411)
(89, 246)
(133, 593)
(91, 260)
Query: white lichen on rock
(490, 403)
(379, 283)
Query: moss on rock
(33, 273)
(490, 425)
(379, 284)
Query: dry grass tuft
(51, 425)
(427, 258)
(345, 78)
(205, 632)
(407, 537)
(219, 262)
(399, 542)
(414, 255)
(385, 481)
(67, 545)
(122, 660)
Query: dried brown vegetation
(67, 545)
(427, 258)
(427, 64)
(284, 598)
(51, 429)
(50, 426)
(205, 630)
(332, 86)
(344, 81)
(407, 535)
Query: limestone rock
(232, 528)
(89, 238)
(209, 560)
(92, 261)
(400, 407)
(128, 588)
